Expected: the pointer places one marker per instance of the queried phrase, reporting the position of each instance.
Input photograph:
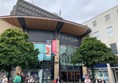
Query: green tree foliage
(15, 50)
(92, 52)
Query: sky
(73, 10)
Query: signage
(69, 38)
(54, 49)
(55, 46)
(47, 50)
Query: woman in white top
(31, 80)
(4, 79)
(87, 80)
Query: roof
(22, 6)
(43, 23)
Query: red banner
(54, 46)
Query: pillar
(110, 74)
(56, 61)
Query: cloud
(76, 10)
(6, 6)
(73, 10)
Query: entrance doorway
(46, 76)
(70, 76)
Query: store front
(71, 74)
(101, 72)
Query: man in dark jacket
(58, 80)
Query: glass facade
(66, 53)
(69, 72)
(68, 45)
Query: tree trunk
(93, 77)
(9, 72)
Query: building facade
(105, 28)
(42, 32)
(46, 28)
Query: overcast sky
(74, 10)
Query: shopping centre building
(55, 37)
(42, 30)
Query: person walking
(4, 79)
(102, 81)
(87, 80)
(17, 78)
(54, 81)
(31, 79)
(58, 80)
(96, 80)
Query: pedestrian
(102, 81)
(96, 80)
(17, 78)
(54, 81)
(4, 79)
(22, 78)
(58, 80)
(31, 79)
(87, 80)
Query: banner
(48, 50)
(55, 46)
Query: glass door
(46, 76)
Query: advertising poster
(41, 48)
(55, 46)
(47, 50)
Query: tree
(92, 52)
(15, 50)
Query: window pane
(96, 34)
(110, 34)
(94, 23)
(107, 17)
(110, 31)
(114, 48)
(65, 54)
